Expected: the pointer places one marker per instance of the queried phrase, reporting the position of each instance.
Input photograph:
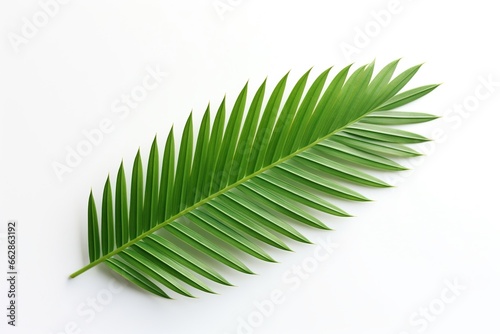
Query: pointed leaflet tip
(207, 111)
(346, 68)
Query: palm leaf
(240, 187)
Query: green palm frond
(241, 185)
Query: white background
(439, 224)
